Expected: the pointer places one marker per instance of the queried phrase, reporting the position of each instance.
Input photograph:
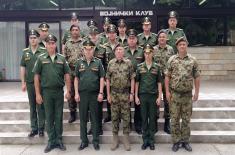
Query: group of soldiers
(118, 67)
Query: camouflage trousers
(120, 109)
(180, 108)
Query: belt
(118, 90)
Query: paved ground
(161, 149)
(211, 90)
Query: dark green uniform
(161, 56)
(152, 39)
(52, 83)
(148, 93)
(37, 113)
(136, 58)
(173, 36)
(42, 44)
(122, 42)
(103, 38)
(89, 85)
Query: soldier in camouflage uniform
(147, 37)
(122, 37)
(162, 52)
(148, 93)
(103, 37)
(99, 52)
(181, 74)
(72, 52)
(29, 57)
(173, 33)
(135, 53)
(110, 54)
(67, 35)
(120, 78)
(43, 31)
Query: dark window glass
(77, 4)
(231, 31)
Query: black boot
(167, 127)
(73, 116)
(33, 133)
(187, 147)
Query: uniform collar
(84, 59)
(117, 61)
(178, 56)
(72, 41)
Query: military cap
(44, 26)
(91, 22)
(146, 20)
(131, 32)
(112, 28)
(74, 15)
(161, 31)
(148, 48)
(173, 14)
(72, 26)
(34, 32)
(107, 20)
(88, 44)
(93, 30)
(180, 40)
(51, 37)
(121, 23)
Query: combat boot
(126, 142)
(167, 127)
(73, 116)
(115, 142)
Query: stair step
(196, 124)
(161, 137)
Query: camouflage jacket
(120, 74)
(181, 72)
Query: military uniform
(172, 37)
(123, 41)
(103, 38)
(37, 113)
(72, 52)
(161, 56)
(148, 94)
(67, 36)
(181, 72)
(89, 84)
(52, 83)
(120, 74)
(44, 27)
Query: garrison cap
(112, 28)
(146, 20)
(180, 40)
(148, 48)
(173, 14)
(51, 37)
(44, 26)
(88, 44)
(74, 15)
(121, 23)
(131, 32)
(107, 20)
(33, 32)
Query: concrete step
(211, 112)
(199, 103)
(106, 138)
(208, 50)
(196, 124)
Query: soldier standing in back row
(29, 57)
(162, 52)
(147, 37)
(72, 52)
(173, 33)
(103, 37)
(135, 53)
(122, 37)
(43, 31)
(51, 71)
(182, 73)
